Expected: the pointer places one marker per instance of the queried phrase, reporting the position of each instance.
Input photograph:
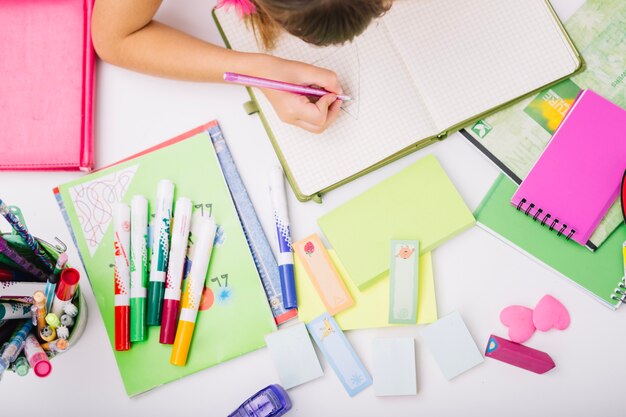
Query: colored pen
(15, 345)
(20, 366)
(176, 265)
(121, 229)
(65, 290)
(251, 81)
(30, 240)
(36, 356)
(39, 301)
(160, 251)
(138, 267)
(283, 236)
(53, 279)
(22, 262)
(203, 235)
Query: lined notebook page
(467, 57)
(387, 113)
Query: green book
(234, 314)
(600, 273)
(418, 203)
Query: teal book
(599, 273)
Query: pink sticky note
(518, 355)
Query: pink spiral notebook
(577, 178)
(46, 85)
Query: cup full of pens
(42, 312)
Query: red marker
(122, 276)
(66, 288)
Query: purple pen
(22, 262)
(251, 81)
(271, 401)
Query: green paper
(235, 315)
(418, 203)
(598, 272)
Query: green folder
(600, 273)
(234, 314)
(419, 203)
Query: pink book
(577, 178)
(46, 85)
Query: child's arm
(124, 34)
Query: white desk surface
(475, 274)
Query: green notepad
(418, 203)
(234, 313)
(599, 273)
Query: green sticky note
(234, 314)
(599, 272)
(403, 281)
(370, 305)
(418, 203)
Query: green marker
(160, 251)
(138, 267)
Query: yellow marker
(202, 235)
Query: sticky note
(323, 274)
(340, 354)
(394, 366)
(371, 305)
(452, 345)
(294, 356)
(403, 281)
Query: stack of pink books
(46, 85)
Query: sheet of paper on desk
(371, 305)
(452, 345)
(294, 356)
(394, 366)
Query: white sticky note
(452, 345)
(394, 366)
(294, 356)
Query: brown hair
(319, 22)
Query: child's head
(319, 22)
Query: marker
(37, 358)
(39, 301)
(121, 229)
(250, 81)
(20, 366)
(10, 311)
(15, 345)
(22, 262)
(203, 235)
(48, 334)
(65, 290)
(29, 239)
(138, 267)
(176, 265)
(55, 346)
(54, 279)
(160, 249)
(283, 236)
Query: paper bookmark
(323, 274)
(403, 281)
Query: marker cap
(169, 320)
(180, 351)
(68, 283)
(40, 364)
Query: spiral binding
(552, 225)
(619, 293)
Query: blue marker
(271, 401)
(285, 256)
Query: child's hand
(296, 109)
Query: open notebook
(425, 69)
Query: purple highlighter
(250, 81)
(271, 401)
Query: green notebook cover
(234, 315)
(418, 203)
(599, 273)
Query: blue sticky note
(339, 353)
(452, 345)
(294, 356)
(394, 366)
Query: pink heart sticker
(519, 320)
(550, 313)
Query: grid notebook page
(386, 115)
(467, 57)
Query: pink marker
(36, 357)
(519, 355)
(251, 81)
